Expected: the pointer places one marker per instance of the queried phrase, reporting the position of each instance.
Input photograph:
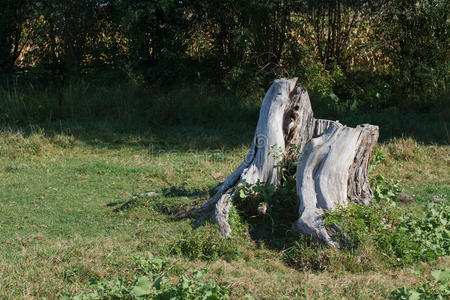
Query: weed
(400, 237)
(378, 157)
(384, 190)
(382, 231)
(431, 289)
(205, 243)
(428, 237)
(149, 264)
(309, 255)
(156, 284)
(268, 210)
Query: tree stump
(333, 164)
(333, 168)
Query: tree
(14, 15)
(415, 36)
(154, 35)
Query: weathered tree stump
(333, 168)
(333, 164)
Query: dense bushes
(366, 54)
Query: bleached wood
(285, 113)
(332, 168)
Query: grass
(201, 105)
(61, 186)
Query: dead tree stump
(332, 168)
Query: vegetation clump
(205, 243)
(155, 283)
(381, 233)
(436, 288)
(384, 233)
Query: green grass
(60, 226)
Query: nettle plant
(267, 205)
(153, 282)
(287, 162)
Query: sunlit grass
(60, 188)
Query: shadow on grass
(431, 127)
(428, 128)
(155, 139)
(173, 201)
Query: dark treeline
(362, 55)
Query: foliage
(429, 236)
(266, 206)
(155, 284)
(383, 231)
(366, 54)
(401, 237)
(436, 288)
(154, 34)
(276, 200)
(383, 190)
(415, 34)
(13, 19)
(378, 157)
(363, 227)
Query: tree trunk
(333, 164)
(332, 168)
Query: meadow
(117, 117)
(68, 229)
